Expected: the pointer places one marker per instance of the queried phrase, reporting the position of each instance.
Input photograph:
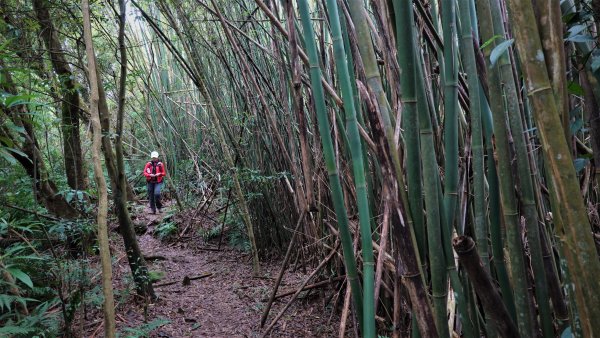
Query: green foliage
(76, 232)
(155, 276)
(211, 233)
(18, 262)
(499, 50)
(78, 198)
(39, 276)
(166, 230)
(39, 323)
(236, 230)
(254, 182)
(143, 330)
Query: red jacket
(157, 168)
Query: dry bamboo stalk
(265, 314)
(484, 286)
(311, 286)
(303, 56)
(345, 313)
(385, 228)
(317, 269)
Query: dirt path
(229, 303)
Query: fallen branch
(317, 269)
(186, 280)
(207, 248)
(308, 287)
(155, 258)
(282, 271)
(33, 212)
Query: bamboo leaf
(576, 30)
(17, 129)
(575, 88)
(7, 156)
(14, 330)
(499, 50)
(490, 41)
(580, 164)
(20, 275)
(6, 141)
(567, 333)
(580, 38)
(595, 63)
(16, 100)
(569, 18)
(576, 125)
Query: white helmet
(154, 154)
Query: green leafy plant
(166, 230)
(39, 323)
(143, 330)
(155, 276)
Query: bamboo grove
(438, 156)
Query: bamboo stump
(485, 289)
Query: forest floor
(225, 302)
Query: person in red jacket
(154, 172)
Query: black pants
(154, 195)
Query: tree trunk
(107, 289)
(76, 175)
(45, 191)
(135, 257)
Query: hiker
(154, 172)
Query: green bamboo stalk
(511, 216)
(413, 90)
(450, 76)
(403, 231)
(464, 302)
(497, 235)
(374, 82)
(371, 180)
(405, 51)
(345, 81)
(476, 133)
(328, 154)
(416, 113)
(526, 185)
(578, 245)
(495, 217)
(467, 26)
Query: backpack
(154, 166)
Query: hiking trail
(220, 299)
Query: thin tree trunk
(135, 257)
(71, 103)
(107, 289)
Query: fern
(166, 230)
(144, 330)
(38, 323)
(7, 300)
(11, 331)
